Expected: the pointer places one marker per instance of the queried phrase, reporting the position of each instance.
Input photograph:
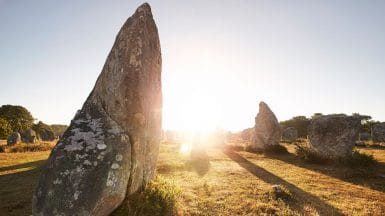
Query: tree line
(15, 118)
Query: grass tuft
(306, 154)
(158, 198)
(280, 192)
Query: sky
(220, 57)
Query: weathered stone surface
(14, 138)
(334, 136)
(29, 136)
(378, 132)
(111, 147)
(364, 136)
(47, 135)
(290, 134)
(267, 130)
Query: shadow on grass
(199, 162)
(321, 206)
(16, 188)
(369, 177)
(24, 165)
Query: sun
(196, 113)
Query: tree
(315, 115)
(18, 117)
(5, 129)
(301, 123)
(58, 129)
(368, 125)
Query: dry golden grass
(239, 183)
(3, 142)
(219, 181)
(29, 147)
(18, 175)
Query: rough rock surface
(334, 136)
(364, 136)
(378, 132)
(267, 130)
(47, 135)
(111, 146)
(14, 138)
(29, 136)
(290, 134)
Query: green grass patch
(159, 198)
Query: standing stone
(111, 146)
(14, 138)
(290, 134)
(47, 135)
(267, 131)
(29, 136)
(334, 136)
(364, 136)
(378, 132)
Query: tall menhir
(111, 147)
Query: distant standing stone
(267, 130)
(290, 134)
(378, 132)
(14, 138)
(111, 147)
(364, 136)
(29, 136)
(334, 136)
(47, 135)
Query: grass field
(221, 181)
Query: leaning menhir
(111, 147)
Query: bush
(306, 154)
(275, 149)
(157, 199)
(358, 159)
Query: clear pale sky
(220, 58)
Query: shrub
(275, 149)
(157, 199)
(306, 154)
(358, 159)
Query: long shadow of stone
(199, 161)
(24, 165)
(321, 206)
(16, 188)
(369, 177)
